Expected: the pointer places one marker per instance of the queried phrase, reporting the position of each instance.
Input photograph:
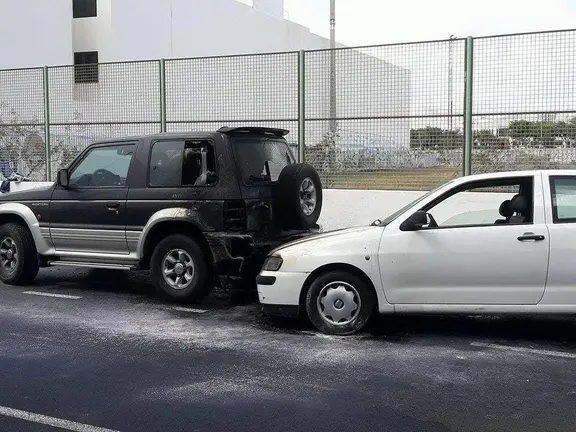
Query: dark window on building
(84, 8)
(86, 67)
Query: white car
(490, 243)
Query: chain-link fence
(94, 102)
(22, 121)
(524, 112)
(384, 117)
(210, 92)
(379, 117)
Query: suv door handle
(531, 236)
(112, 205)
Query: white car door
(469, 257)
(560, 196)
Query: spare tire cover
(298, 196)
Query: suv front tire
(18, 255)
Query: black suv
(195, 208)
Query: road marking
(184, 309)
(44, 294)
(525, 350)
(51, 421)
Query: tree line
(518, 132)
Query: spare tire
(298, 196)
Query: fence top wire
(226, 56)
(39, 69)
(541, 32)
(106, 63)
(385, 45)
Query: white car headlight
(272, 263)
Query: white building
(42, 32)
(203, 89)
(35, 33)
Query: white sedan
(489, 243)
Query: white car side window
(478, 206)
(564, 198)
(470, 208)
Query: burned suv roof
(240, 130)
(253, 130)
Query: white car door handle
(531, 237)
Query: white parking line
(44, 294)
(525, 350)
(51, 421)
(184, 309)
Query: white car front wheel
(339, 303)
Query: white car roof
(501, 174)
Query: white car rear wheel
(339, 303)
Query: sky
(370, 22)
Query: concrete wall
(274, 8)
(347, 208)
(197, 28)
(366, 86)
(93, 33)
(35, 33)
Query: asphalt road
(112, 356)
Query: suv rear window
(261, 159)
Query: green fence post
(301, 106)
(47, 125)
(468, 133)
(162, 95)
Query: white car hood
(340, 236)
(355, 246)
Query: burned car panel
(190, 215)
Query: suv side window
(177, 163)
(563, 190)
(105, 166)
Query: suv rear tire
(179, 269)
(18, 255)
(299, 196)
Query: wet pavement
(105, 353)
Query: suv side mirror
(415, 222)
(63, 178)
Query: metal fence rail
(398, 116)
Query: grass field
(409, 179)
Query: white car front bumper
(279, 292)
